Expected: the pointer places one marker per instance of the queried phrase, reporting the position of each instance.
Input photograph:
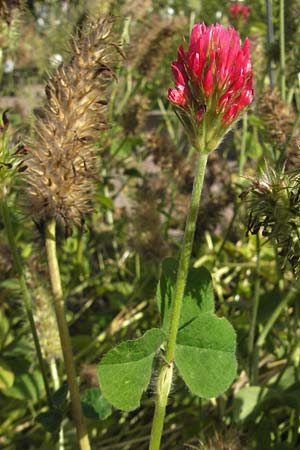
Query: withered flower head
(61, 163)
(151, 40)
(8, 7)
(274, 208)
(278, 118)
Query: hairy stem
(65, 340)
(165, 375)
(25, 294)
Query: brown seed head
(278, 117)
(61, 163)
(151, 41)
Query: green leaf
(198, 297)
(95, 405)
(28, 386)
(51, 420)
(59, 397)
(205, 355)
(6, 376)
(124, 372)
(246, 401)
(4, 329)
(104, 201)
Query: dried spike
(61, 160)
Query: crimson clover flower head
(213, 81)
(239, 11)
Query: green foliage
(125, 371)
(94, 404)
(205, 355)
(198, 297)
(28, 386)
(50, 420)
(205, 347)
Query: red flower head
(213, 83)
(238, 11)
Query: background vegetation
(247, 231)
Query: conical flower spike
(61, 160)
(213, 83)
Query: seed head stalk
(60, 165)
(55, 280)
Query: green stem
(282, 50)
(56, 384)
(185, 256)
(244, 144)
(25, 294)
(165, 375)
(274, 316)
(83, 439)
(253, 369)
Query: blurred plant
(292, 35)
(8, 9)
(10, 21)
(136, 9)
(133, 117)
(9, 159)
(278, 126)
(146, 54)
(146, 230)
(239, 12)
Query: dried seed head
(61, 162)
(146, 229)
(151, 41)
(8, 9)
(278, 117)
(137, 9)
(133, 118)
(273, 201)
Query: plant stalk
(270, 37)
(165, 375)
(244, 144)
(274, 316)
(282, 50)
(25, 294)
(56, 384)
(83, 439)
(253, 359)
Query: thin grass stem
(253, 369)
(282, 50)
(25, 294)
